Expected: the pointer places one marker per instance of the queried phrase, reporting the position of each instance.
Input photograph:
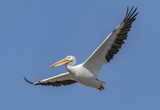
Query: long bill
(60, 63)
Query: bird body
(83, 76)
(87, 72)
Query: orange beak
(61, 62)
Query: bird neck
(69, 67)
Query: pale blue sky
(36, 33)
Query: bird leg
(101, 86)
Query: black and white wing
(59, 80)
(111, 45)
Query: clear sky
(36, 33)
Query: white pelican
(87, 72)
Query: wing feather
(111, 45)
(59, 80)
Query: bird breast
(80, 72)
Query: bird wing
(111, 45)
(62, 79)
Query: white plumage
(87, 72)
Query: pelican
(87, 72)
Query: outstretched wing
(62, 79)
(111, 45)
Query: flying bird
(87, 72)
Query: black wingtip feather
(122, 35)
(27, 80)
(129, 14)
(127, 11)
(133, 13)
(56, 83)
